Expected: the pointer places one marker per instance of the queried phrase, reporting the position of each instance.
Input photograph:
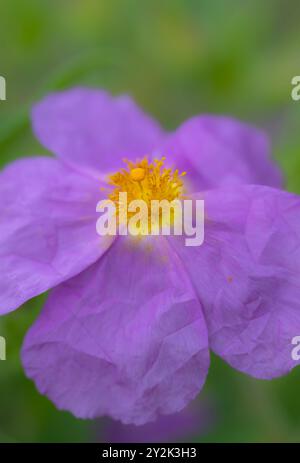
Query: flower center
(146, 181)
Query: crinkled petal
(126, 338)
(48, 228)
(93, 129)
(218, 151)
(247, 276)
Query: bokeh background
(177, 58)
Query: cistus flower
(127, 327)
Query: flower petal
(130, 342)
(247, 276)
(48, 228)
(91, 128)
(217, 151)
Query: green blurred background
(177, 58)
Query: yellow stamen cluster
(146, 181)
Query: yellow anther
(137, 174)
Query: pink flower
(126, 331)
